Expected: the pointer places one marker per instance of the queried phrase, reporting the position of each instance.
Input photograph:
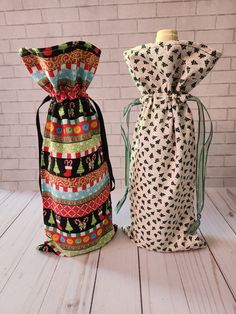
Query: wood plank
(225, 201)
(71, 287)
(28, 283)
(117, 283)
(12, 207)
(16, 239)
(205, 287)
(161, 285)
(118, 270)
(221, 241)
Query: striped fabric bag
(75, 174)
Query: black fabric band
(40, 137)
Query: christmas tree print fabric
(163, 150)
(75, 172)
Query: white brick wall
(113, 25)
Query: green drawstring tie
(202, 148)
(203, 145)
(126, 113)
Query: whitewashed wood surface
(119, 278)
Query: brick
(152, 25)
(32, 4)
(16, 44)
(80, 28)
(108, 68)
(232, 114)
(17, 175)
(136, 10)
(124, 68)
(114, 105)
(176, 8)
(230, 138)
(6, 71)
(60, 15)
(105, 93)
(222, 149)
(218, 138)
(111, 117)
(118, 1)
(211, 90)
(7, 32)
(28, 163)
(43, 30)
(214, 182)
(9, 141)
(27, 118)
(135, 40)
(97, 13)
(221, 171)
(33, 95)
(23, 17)
(233, 64)
(28, 186)
(15, 83)
(230, 160)
(18, 129)
(215, 161)
(223, 77)
(195, 22)
(216, 7)
(21, 107)
(116, 151)
(4, 130)
(129, 92)
(115, 161)
(20, 152)
(225, 126)
(8, 119)
(229, 182)
(117, 80)
(9, 164)
(9, 186)
(103, 41)
(230, 50)
(4, 45)
(232, 89)
(28, 141)
(11, 58)
(11, 5)
(76, 3)
(113, 140)
(223, 102)
(226, 21)
(222, 64)
(118, 27)
(2, 18)
(215, 36)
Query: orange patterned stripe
(74, 182)
(51, 64)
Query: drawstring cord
(202, 148)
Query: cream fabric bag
(164, 164)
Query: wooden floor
(119, 278)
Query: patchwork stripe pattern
(74, 169)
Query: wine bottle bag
(75, 174)
(164, 164)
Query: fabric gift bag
(75, 174)
(164, 165)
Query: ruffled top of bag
(64, 71)
(170, 66)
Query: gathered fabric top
(170, 67)
(64, 71)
